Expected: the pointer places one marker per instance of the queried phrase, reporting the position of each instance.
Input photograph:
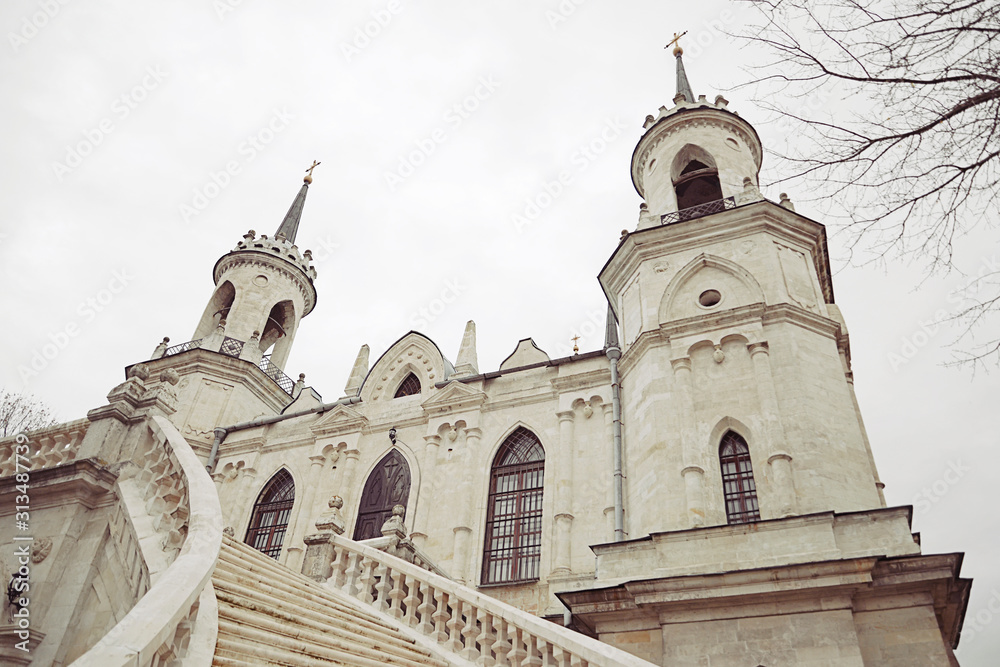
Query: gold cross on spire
(309, 172)
(676, 41)
(576, 348)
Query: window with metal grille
(270, 515)
(737, 480)
(514, 514)
(409, 386)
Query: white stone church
(701, 491)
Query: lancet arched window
(409, 386)
(514, 514)
(270, 515)
(737, 480)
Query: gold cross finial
(309, 172)
(576, 348)
(676, 41)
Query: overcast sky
(143, 139)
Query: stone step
(258, 594)
(306, 650)
(313, 628)
(269, 615)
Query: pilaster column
(350, 470)
(432, 444)
(609, 467)
(463, 528)
(303, 518)
(777, 457)
(692, 470)
(245, 497)
(564, 494)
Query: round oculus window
(709, 298)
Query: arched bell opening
(217, 309)
(698, 183)
(277, 326)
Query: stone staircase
(269, 615)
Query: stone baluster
(382, 586)
(427, 491)
(564, 494)
(352, 572)
(440, 616)
(776, 449)
(486, 638)
(396, 594)
(693, 472)
(338, 576)
(536, 648)
(470, 632)
(455, 625)
(501, 645)
(366, 581)
(517, 652)
(425, 609)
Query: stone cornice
(650, 244)
(585, 380)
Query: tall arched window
(387, 486)
(270, 515)
(514, 514)
(737, 480)
(409, 386)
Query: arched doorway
(388, 485)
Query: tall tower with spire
(264, 288)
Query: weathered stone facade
(728, 328)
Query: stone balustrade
(47, 447)
(471, 625)
(174, 508)
(406, 550)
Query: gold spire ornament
(676, 41)
(309, 172)
(576, 348)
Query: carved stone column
(692, 471)
(777, 456)
(609, 468)
(463, 527)
(302, 521)
(350, 470)
(427, 488)
(562, 563)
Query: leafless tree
(893, 115)
(22, 412)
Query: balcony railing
(699, 211)
(231, 347)
(276, 374)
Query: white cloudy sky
(159, 96)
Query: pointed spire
(611, 331)
(358, 373)
(290, 225)
(683, 87)
(468, 361)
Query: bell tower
(733, 351)
(264, 287)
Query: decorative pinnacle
(676, 41)
(308, 178)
